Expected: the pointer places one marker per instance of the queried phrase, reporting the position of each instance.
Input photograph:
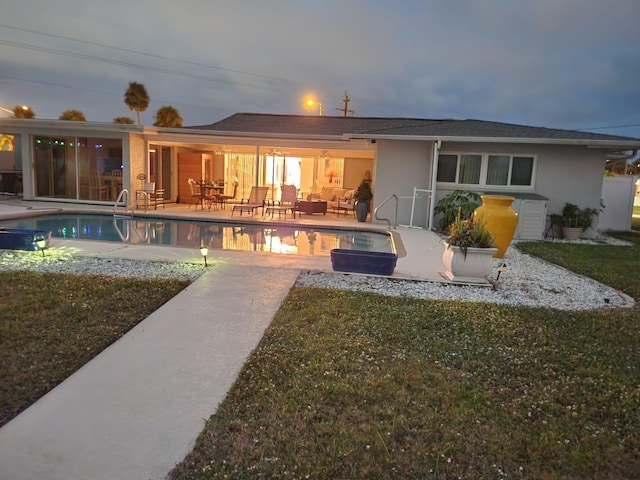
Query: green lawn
(357, 385)
(52, 324)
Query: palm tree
(168, 116)
(22, 111)
(124, 120)
(74, 115)
(136, 98)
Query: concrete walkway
(136, 409)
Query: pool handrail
(124, 192)
(395, 220)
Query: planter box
(474, 269)
(359, 261)
(571, 233)
(15, 239)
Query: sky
(571, 64)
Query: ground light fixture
(204, 251)
(41, 243)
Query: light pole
(12, 111)
(311, 102)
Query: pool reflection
(288, 240)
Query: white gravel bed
(64, 263)
(526, 280)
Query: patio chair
(98, 190)
(195, 196)
(288, 202)
(224, 199)
(256, 200)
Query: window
(62, 165)
(459, 168)
(486, 170)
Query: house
(416, 161)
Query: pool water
(294, 239)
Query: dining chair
(97, 188)
(195, 192)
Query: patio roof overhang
(294, 145)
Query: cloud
(570, 63)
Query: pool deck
(136, 409)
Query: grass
(52, 324)
(357, 385)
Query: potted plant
(363, 196)
(573, 220)
(458, 202)
(469, 250)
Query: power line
(133, 65)
(187, 62)
(54, 84)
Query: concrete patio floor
(136, 409)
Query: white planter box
(474, 269)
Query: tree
(136, 98)
(124, 120)
(22, 111)
(167, 116)
(73, 115)
(6, 142)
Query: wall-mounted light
(204, 251)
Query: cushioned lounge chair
(288, 202)
(256, 199)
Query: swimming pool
(290, 239)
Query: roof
(374, 127)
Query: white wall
(399, 167)
(617, 195)
(562, 173)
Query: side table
(312, 206)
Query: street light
(311, 102)
(12, 111)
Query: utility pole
(346, 110)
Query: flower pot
(571, 233)
(360, 261)
(23, 239)
(501, 220)
(362, 210)
(475, 268)
(149, 187)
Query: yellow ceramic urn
(501, 220)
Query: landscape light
(41, 243)
(204, 251)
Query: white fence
(618, 195)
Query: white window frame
(484, 166)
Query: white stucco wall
(562, 173)
(399, 167)
(134, 155)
